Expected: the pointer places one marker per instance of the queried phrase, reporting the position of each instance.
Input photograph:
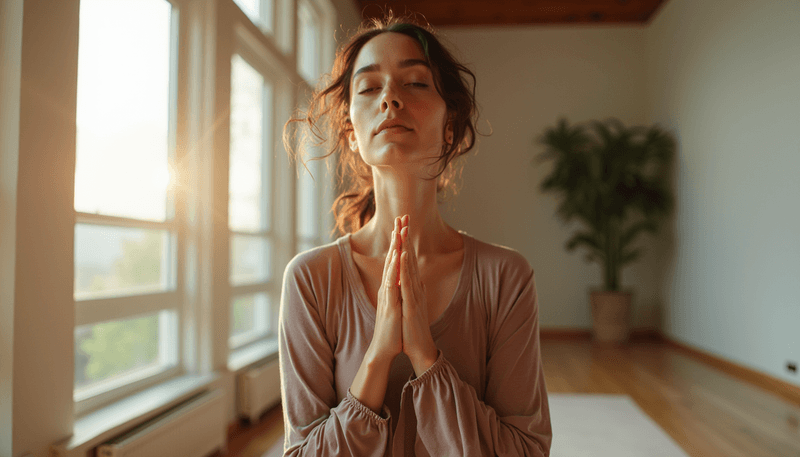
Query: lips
(392, 125)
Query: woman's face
(398, 116)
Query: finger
(392, 244)
(403, 247)
(405, 279)
(413, 260)
(391, 285)
(412, 267)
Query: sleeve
(314, 424)
(514, 420)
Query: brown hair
(326, 121)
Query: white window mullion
(118, 221)
(89, 312)
(249, 289)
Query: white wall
(726, 76)
(43, 311)
(527, 77)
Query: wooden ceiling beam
(510, 12)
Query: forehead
(387, 49)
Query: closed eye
(372, 89)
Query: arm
(514, 420)
(314, 423)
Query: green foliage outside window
(120, 346)
(107, 349)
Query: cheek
(435, 116)
(359, 116)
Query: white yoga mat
(594, 426)
(606, 426)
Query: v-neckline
(360, 291)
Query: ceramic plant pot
(611, 316)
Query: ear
(351, 139)
(448, 132)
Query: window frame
(268, 173)
(107, 308)
(324, 12)
(262, 53)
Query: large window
(126, 300)
(309, 43)
(164, 285)
(312, 203)
(250, 203)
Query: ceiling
(510, 12)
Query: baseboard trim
(564, 333)
(777, 386)
(783, 389)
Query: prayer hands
(418, 342)
(387, 340)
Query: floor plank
(706, 411)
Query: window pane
(250, 259)
(250, 8)
(114, 352)
(249, 189)
(308, 41)
(123, 108)
(117, 261)
(308, 205)
(251, 315)
(259, 11)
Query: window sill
(253, 354)
(105, 423)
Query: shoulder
(498, 261)
(505, 281)
(317, 262)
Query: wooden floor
(707, 412)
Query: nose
(390, 98)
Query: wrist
(423, 361)
(377, 362)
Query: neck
(397, 195)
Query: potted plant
(613, 180)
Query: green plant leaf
(629, 256)
(586, 239)
(607, 175)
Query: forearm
(369, 385)
(452, 419)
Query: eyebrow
(403, 64)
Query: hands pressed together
(401, 323)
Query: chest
(440, 279)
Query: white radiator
(193, 429)
(259, 389)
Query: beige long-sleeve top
(484, 396)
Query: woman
(405, 336)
